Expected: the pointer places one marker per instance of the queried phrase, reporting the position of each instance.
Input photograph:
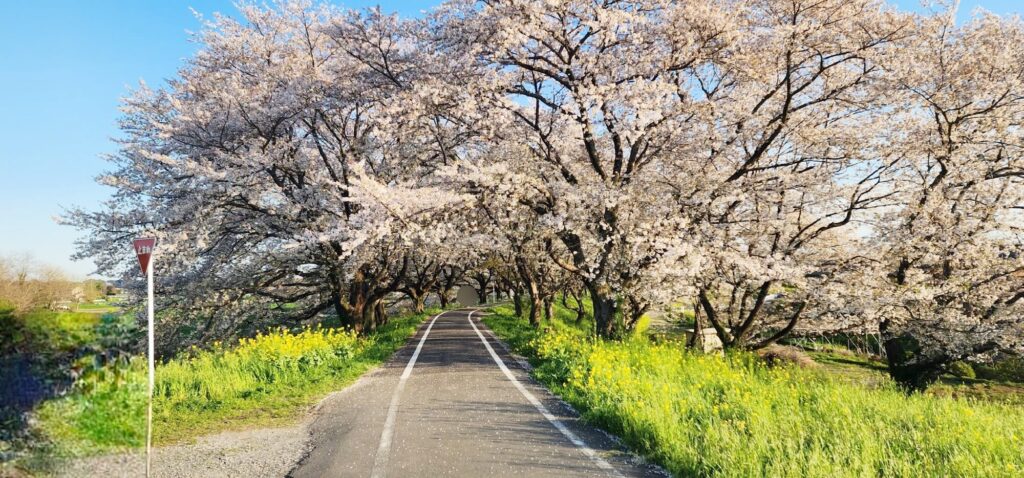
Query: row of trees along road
(859, 165)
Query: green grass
(705, 415)
(846, 365)
(266, 380)
(38, 348)
(96, 308)
(59, 331)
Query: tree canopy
(780, 166)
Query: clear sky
(64, 65)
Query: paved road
(453, 403)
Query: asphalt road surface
(452, 402)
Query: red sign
(144, 249)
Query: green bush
(710, 416)
(962, 370)
(59, 331)
(1006, 370)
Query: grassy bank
(701, 415)
(38, 350)
(265, 380)
(48, 331)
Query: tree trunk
(418, 300)
(536, 301)
(351, 313)
(365, 317)
(724, 335)
(909, 367)
(380, 313)
(581, 312)
(370, 318)
(536, 304)
(339, 308)
(517, 301)
(442, 297)
(604, 310)
(549, 309)
(697, 339)
(632, 310)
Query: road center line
(542, 409)
(380, 461)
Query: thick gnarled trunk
(419, 303)
(536, 303)
(605, 307)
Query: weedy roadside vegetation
(264, 380)
(734, 416)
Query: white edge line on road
(542, 409)
(380, 461)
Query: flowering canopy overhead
(778, 166)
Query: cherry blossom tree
(950, 274)
(782, 164)
(669, 145)
(260, 166)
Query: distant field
(96, 308)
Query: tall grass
(59, 331)
(702, 415)
(262, 380)
(255, 365)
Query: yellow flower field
(265, 379)
(701, 415)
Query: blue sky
(63, 68)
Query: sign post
(144, 250)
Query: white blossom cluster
(778, 166)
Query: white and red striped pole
(144, 250)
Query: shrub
(962, 369)
(1006, 370)
(106, 410)
(775, 355)
(223, 374)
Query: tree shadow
(28, 376)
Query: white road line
(544, 410)
(380, 462)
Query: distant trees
(782, 165)
(93, 289)
(26, 284)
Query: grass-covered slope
(263, 380)
(702, 415)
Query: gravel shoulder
(270, 452)
(253, 453)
